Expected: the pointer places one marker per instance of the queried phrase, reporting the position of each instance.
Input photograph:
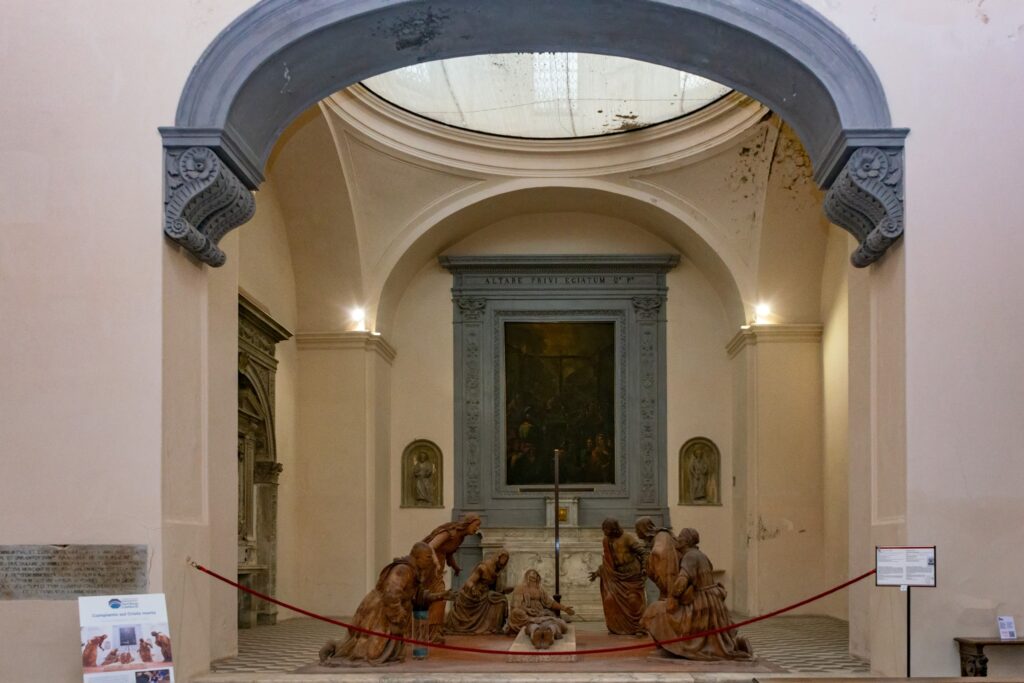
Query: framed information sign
(905, 566)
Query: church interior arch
(324, 242)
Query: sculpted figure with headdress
(387, 609)
(661, 553)
(532, 604)
(445, 540)
(479, 607)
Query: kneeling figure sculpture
(387, 609)
(695, 604)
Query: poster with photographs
(125, 639)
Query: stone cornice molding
(249, 309)
(346, 341)
(785, 333)
(685, 140)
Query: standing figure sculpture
(532, 604)
(386, 609)
(479, 607)
(695, 603)
(445, 540)
(423, 474)
(622, 578)
(662, 563)
(699, 471)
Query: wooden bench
(973, 661)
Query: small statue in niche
(479, 607)
(423, 472)
(532, 604)
(699, 473)
(422, 475)
(695, 603)
(622, 579)
(387, 608)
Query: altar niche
(560, 352)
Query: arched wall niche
(424, 241)
(281, 56)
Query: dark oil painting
(560, 393)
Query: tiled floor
(812, 645)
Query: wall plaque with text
(65, 572)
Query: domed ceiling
(546, 95)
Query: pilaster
(344, 416)
(779, 518)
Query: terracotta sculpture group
(690, 600)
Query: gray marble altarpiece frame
(627, 290)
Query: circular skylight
(546, 95)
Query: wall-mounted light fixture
(358, 316)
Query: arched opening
(299, 65)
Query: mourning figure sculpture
(531, 604)
(695, 604)
(387, 609)
(445, 540)
(622, 579)
(662, 563)
(479, 607)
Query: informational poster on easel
(906, 567)
(125, 639)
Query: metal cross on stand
(557, 597)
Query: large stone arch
(688, 231)
(281, 56)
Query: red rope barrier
(484, 651)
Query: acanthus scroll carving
(203, 201)
(866, 200)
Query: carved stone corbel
(866, 200)
(203, 201)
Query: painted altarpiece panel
(551, 351)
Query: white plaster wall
(835, 426)
(332, 475)
(266, 275)
(959, 276)
(699, 392)
(82, 280)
